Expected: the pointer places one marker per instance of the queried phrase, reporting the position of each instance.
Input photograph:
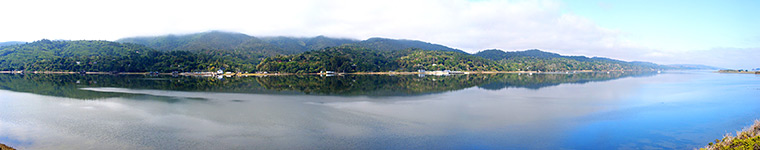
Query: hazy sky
(722, 33)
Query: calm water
(669, 110)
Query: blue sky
(711, 32)
(677, 25)
(700, 29)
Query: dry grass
(748, 138)
(5, 147)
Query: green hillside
(383, 44)
(234, 43)
(215, 43)
(446, 60)
(192, 42)
(236, 52)
(17, 57)
(240, 46)
(105, 56)
(271, 46)
(341, 59)
(359, 59)
(545, 61)
(298, 45)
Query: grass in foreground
(5, 147)
(746, 139)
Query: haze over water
(631, 110)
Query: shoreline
(737, 71)
(279, 74)
(465, 72)
(64, 72)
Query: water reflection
(499, 111)
(350, 85)
(295, 112)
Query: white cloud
(464, 24)
(468, 25)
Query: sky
(721, 33)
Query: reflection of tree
(69, 85)
(383, 85)
(537, 81)
(373, 85)
(62, 86)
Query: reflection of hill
(537, 81)
(67, 85)
(50, 85)
(383, 85)
(371, 85)
(349, 85)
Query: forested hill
(546, 61)
(215, 42)
(384, 44)
(226, 42)
(306, 44)
(105, 56)
(20, 56)
(271, 46)
(360, 59)
(495, 54)
(211, 51)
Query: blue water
(669, 110)
(679, 111)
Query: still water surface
(632, 110)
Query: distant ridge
(693, 67)
(9, 43)
(539, 60)
(213, 41)
(299, 45)
(270, 46)
(385, 44)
